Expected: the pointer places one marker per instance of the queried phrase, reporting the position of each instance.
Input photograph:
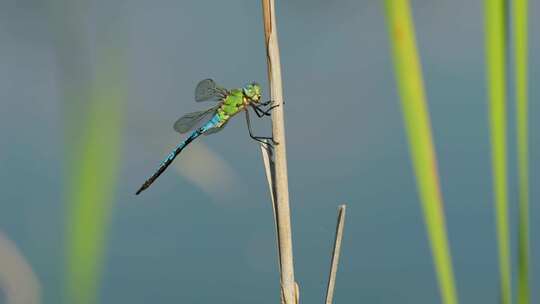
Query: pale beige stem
(18, 282)
(280, 154)
(335, 255)
(269, 167)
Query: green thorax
(232, 104)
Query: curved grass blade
(93, 176)
(417, 123)
(495, 24)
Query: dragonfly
(214, 119)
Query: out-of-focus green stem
(93, 179)
(495, 61)
(418, 126)
(520, 21)
(93, 97)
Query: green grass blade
(94, 165)
(418, 126)
(495, 60)
(519, 20)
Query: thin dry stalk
(335, 254)
(268, 160)
(280, 155)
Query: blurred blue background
(204, 232)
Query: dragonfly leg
(268, 102)
(261, 140)
(258, 138)
(261, 112)
(265, 103)
(267, 111)
(258, 112)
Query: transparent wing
(191, 120)
(215, 130)
(207, 89)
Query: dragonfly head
(253, 92)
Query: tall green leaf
(519, 21)
(495, 61)
(417, 123)
(92, 182)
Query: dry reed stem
(335, 254)
(268, 160)
(280, 157)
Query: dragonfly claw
(268, 141)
